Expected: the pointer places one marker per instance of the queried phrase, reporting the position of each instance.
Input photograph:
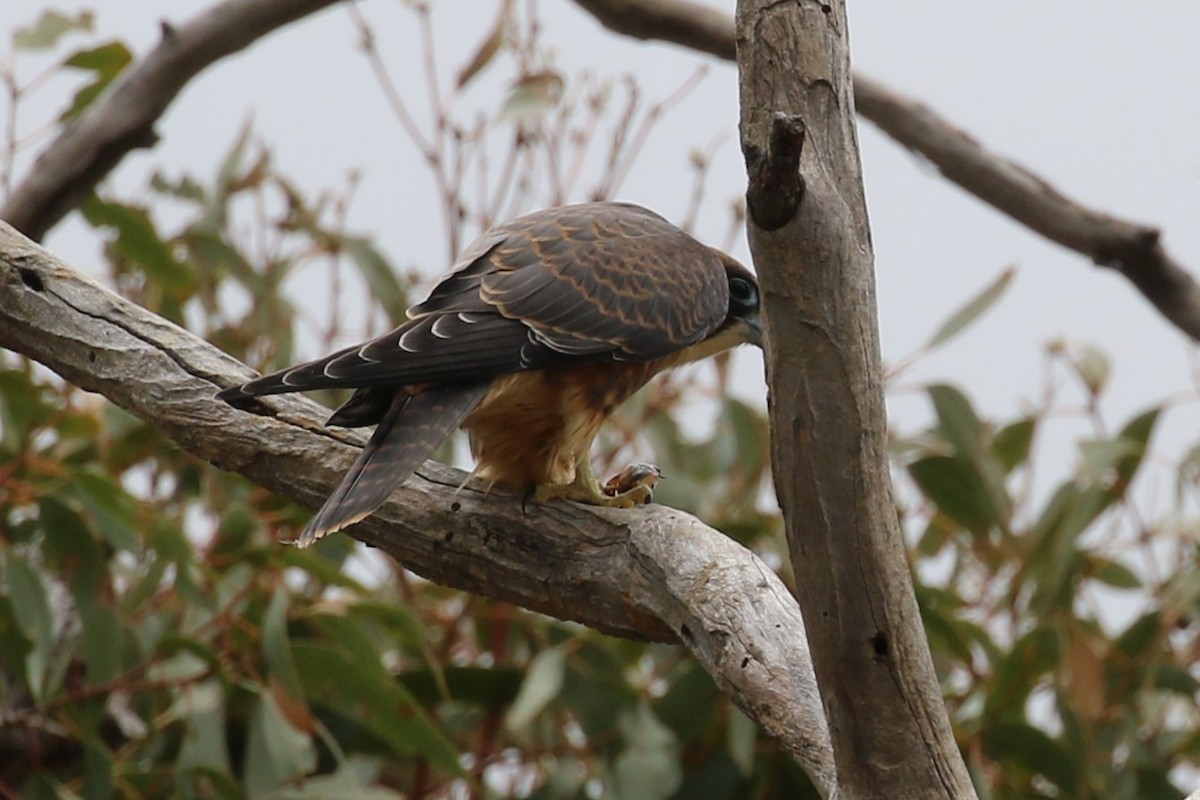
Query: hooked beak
(754, 329)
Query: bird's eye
(742, 293)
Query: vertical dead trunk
(812, 245)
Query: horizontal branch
(650, 573)
(693, 25)
(1132, 249)
(123, 118)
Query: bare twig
(390, 92)
(621, 128)
(1133, 249)
(9, 78)
(652, 116)
(693, 25)
(505, 182)
(448, 185)
(700, 162)
(581, 137)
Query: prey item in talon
(544, 327)
(634, 475)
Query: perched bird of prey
(545, 325)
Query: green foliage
(104, 63)
(1049, 697)
(50, 27)
(156, 640)
(971, 311)
(160, 642)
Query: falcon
(544, 326)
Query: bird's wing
(411, 429)
(560, 287)
(615, 279)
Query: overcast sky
(1097, 96)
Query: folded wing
(561, 287)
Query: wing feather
(631, 285)
(411, 429)
(559, 287)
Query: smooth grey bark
(649, 573)
(812, 249)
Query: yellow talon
(633, 486)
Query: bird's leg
(586, 489)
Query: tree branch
(693, 25)
(652, 573)
(1132, 249)
(891, 734)
(123, 118)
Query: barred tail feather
(392, 453)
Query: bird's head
(743, 319)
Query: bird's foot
(593, 496)
(639, 495)
(633, 486)
(634, 476)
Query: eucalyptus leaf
(380, 278)
(31, 606)
(332, 676)
(1022, 747)
(543, 681)
(1093, 367)
(276, 752)
(1113, 573)
(649, 767)
(957, 490)
(106, 63)
(275, 643)
(97, 770)
(974, 308)
(488, 48)
(49, 28)
(102, 638)
(532, 96)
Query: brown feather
(533, 427)
(545, 325)
(412, 428)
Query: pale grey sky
(1098, 96)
